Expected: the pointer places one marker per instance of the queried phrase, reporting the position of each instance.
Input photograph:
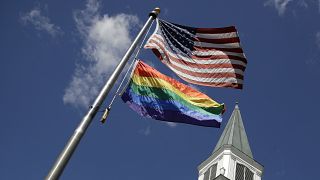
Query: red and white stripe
(218, 59)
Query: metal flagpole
(73, 142)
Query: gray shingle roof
(234, 134)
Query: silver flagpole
(73, 142)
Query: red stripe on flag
(207, 75)
(218, 41)
(208, 66)
(204, 66)
(236, 50)
(216, 30)
(209, 57)
(144, 70)
(195, 74)
(222, 84)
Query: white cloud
(303, 3)
(171, 124)
(318, 39)
(313, 60)
(40, 22)
(106, 38)
(146, 131)
(280, 5)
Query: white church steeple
(232, 158)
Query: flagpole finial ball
(157, 9)
(155, 12)
(237, 105)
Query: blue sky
(55, 56)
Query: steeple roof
(234, 134)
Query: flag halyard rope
(107, 110)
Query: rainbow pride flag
(155, 95)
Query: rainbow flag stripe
(157, 96)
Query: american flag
(203, 56)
